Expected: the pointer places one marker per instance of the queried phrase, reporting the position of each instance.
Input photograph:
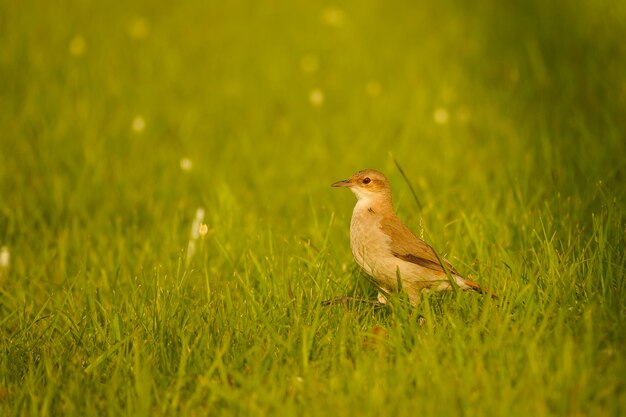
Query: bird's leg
(347, 299)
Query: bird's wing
(408, 247)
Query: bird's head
(367, 185)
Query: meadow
(127, 125)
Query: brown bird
(387, 250)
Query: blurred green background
(120, 119)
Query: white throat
(366, 201)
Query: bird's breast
(368, 242)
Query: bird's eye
(366, 180)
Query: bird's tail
(471, 285)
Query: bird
(392, 255)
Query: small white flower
(139, 124)
(316, 97)
(77, 45)
(441, 116)
(186, 164)
(203, 229)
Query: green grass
(522, 184)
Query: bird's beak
(344, 183)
